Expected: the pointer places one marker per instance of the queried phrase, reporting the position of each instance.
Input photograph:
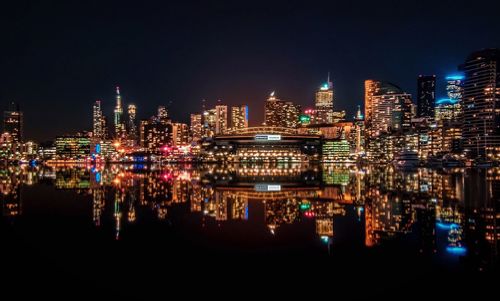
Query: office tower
(118, 113)
(13, 122)
(480, 103)
(196, 127)
(359, 132)
(426, 95)
(239, 117)
(280, 113)
(324, 103)
(454, 89)
(154, 135)
(180, 134)
(99, 123)
(132, 127)
(162, 114)
(448, 109)
(388, 106)
(209, 122)
(221, 119)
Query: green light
(305, 206)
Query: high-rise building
(454, 88)
(239, 117)
(162, 114)
(209, 122)
(154, 135)
(481, 103)
(280, 113)
(99, 123)
(118, 114)
(448, 109)
(221, 119)
(426, 95)
(13, 122)
(132, 127)
(388, 106)
(324, 103)
(180, 134)
(196, 127)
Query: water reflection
(451, 213)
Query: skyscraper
(388, 106)
(454, 88)
(99, 124)
(481, 103)
(280, 113)
(196, 127)
(132, 126)
(239, 117)
(162, 114)
(118, 113)
(324, 103)
(221, 119)
(426, 95)
(13, 122)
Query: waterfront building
(280, 113)
(13, 122)
(239, 117)
(73, 147)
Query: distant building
(196, 127)
(221, 119)
(162, 115)
(239, 117)
(324, 103)
(480, 103)
(120, 132)
(154, 135)
(180, 134)
(13, 123)
(426, 95)
(209, 122)
(99, 122)
(73, 147)
(132, 126)
(279, 113)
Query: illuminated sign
(267, 187)
(264, 137)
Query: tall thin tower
(119, 128)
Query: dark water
(269, 229)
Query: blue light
(455, 77)
(98, 148)
(246, 212)
(98, 177)
(444, 226)
(447, 101)
(325, 239)
(456, 250)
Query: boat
(406, 160)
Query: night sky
(57, 57)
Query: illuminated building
(454, 89)
(7, 147)
(387, 108)
(221, 119)
(426, 95)
(239, 117)
(73, 147)
(196, 127)
(448, 109)
(13, 122)
(263, 144)
(279, 113)
(180, 134)
(358, 133)
(162, 115)
(209, 123)
(391, 110)
(132, 127)
(154, 135)
(324, 103)
(480, 103)
(118, 114)
(99, 123)
(335, 150)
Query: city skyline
(160, 54)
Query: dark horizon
(59, 57)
